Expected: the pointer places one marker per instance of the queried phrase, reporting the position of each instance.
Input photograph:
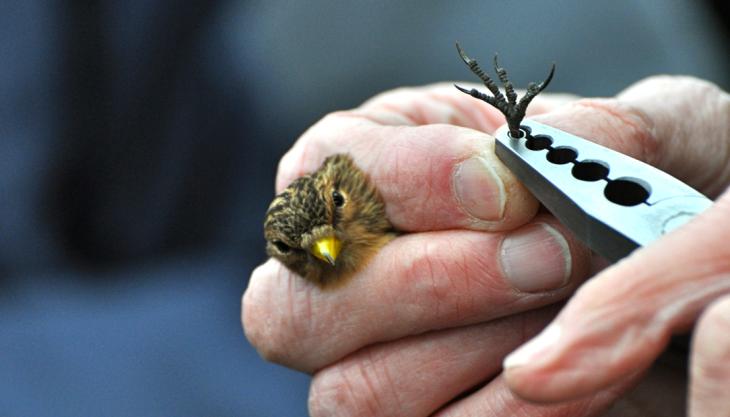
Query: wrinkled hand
(623, 318)
(432, 316)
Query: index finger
(428, 154)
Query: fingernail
(478, 189)
(533, 349)
(536, 258)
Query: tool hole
(538, 142)
(626, 192)
(590, 171)
(562, 155)
(526, 129)
(521, 135)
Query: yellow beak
(327, 249)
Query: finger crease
(638, 121)
(373, 406)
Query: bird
(327, 225)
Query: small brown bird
(327, 225)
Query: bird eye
(281, 246)
(338, 199)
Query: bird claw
(513, 110)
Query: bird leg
(513, 111)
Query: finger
(417, 375)
(678, 124)
(443, 104)
(710, 367)
(657, 392)
(436, 104)
(417, 283)
(622, 319)
(431, 177)
(496, 399)
(431, 174)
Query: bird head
(324, 225)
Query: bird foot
(513, 111)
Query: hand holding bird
(337, 210)
(433, 292)
(435, 311)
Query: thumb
(622, 319)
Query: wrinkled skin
(424, 328)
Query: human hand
(423, 323)
(621, 320)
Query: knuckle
(320, 140)
(665, 82)
(622, 125)
(270, 330)
(447, 278)
(287, 170)
(262, 336)
(427, 272)
(272, 342)
(349, 389)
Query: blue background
(138, 145)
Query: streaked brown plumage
(327, 225)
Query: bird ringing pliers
(610, 201)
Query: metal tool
(610, 201)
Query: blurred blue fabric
(148, 340)
(138, 143)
